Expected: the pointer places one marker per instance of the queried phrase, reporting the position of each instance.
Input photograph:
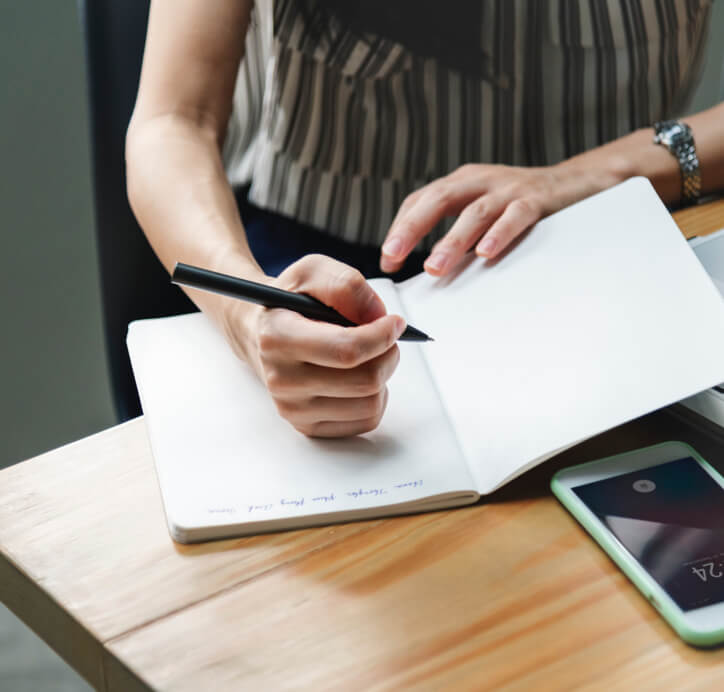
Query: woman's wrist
(234, 317)
(632, 155)
(236, 320)
(590, 172)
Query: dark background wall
(53, 385)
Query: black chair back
(133, 282)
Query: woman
(360, 126)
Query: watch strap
(677, 137)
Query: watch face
(678, 133)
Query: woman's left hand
(494, 205)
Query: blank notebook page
(223, 453)
(601, 314)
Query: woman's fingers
(421, 212)
(287, 380)
(340, 428)
(291, 337)
(475, 220)
(307, 412)
(328, 380)
(332, 402)
(487, 220)
(495, 205)
(518, 216)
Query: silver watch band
(691, 175)
(678, 138)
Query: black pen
(270, 297)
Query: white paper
(224, 455)
(710, 251)
(601, 314)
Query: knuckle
(479, 212)
(292, 277)
(522, 190)
(372, 410)
(394, 356)
(275, 382)
(300, 272)
(285, 409)
(407, 230)
(455, 243)
(467, 169)
(353, 279)
(376, 374)
(373, 381)
(410, 200)
(349, 281)
(310, 262)
(268, 336)
(369, 424)
(376, 404)
(525, 205)
(308, 429)
(440, 194)
(346, 352)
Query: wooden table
(507, 594)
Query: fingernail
(400, 326)
(392, 248)
(387, 265)
(486, 246)
(436, 261)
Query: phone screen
(670, 517)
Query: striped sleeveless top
(336, 133)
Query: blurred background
(53, 382)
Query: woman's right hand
(326, 380)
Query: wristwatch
(679, 140)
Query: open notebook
(710, 403)
(601, 314)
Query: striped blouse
(336, 133)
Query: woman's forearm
(177, 186)
(179, 193)
(636, 154)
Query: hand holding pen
(326, 381)
(271, 297)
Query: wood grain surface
(507, 594)
(702, 219)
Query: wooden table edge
(701, 219)
(62, 632)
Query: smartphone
(659, 514)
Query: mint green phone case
(628, 564)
